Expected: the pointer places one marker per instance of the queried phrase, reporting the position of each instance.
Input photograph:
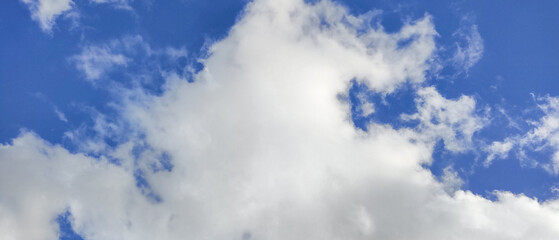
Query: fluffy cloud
(39, 181)
(261, 147)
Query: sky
(267, 119)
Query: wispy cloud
(60, 114)
(95, 61)
(123, 4)
(45, 12)
(543, 135)
(469, 47)
(545, 132)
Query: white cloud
(545, 132)
(262, 148)
(45, 12)
(511, 122)
(175, 53)
(543, 136)
(60, 114)
(366, 107)
(453, 121)
(498, 150)
(469, 48)
(102, 127)
(122, 4)
(95, 61)
(39, 181)
(451, 181)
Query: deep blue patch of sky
(65, 227)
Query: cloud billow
(262, 147)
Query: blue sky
(150, 94)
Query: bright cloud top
(260, 146)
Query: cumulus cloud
(39, 181)
(45, 12)
(260, 147)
